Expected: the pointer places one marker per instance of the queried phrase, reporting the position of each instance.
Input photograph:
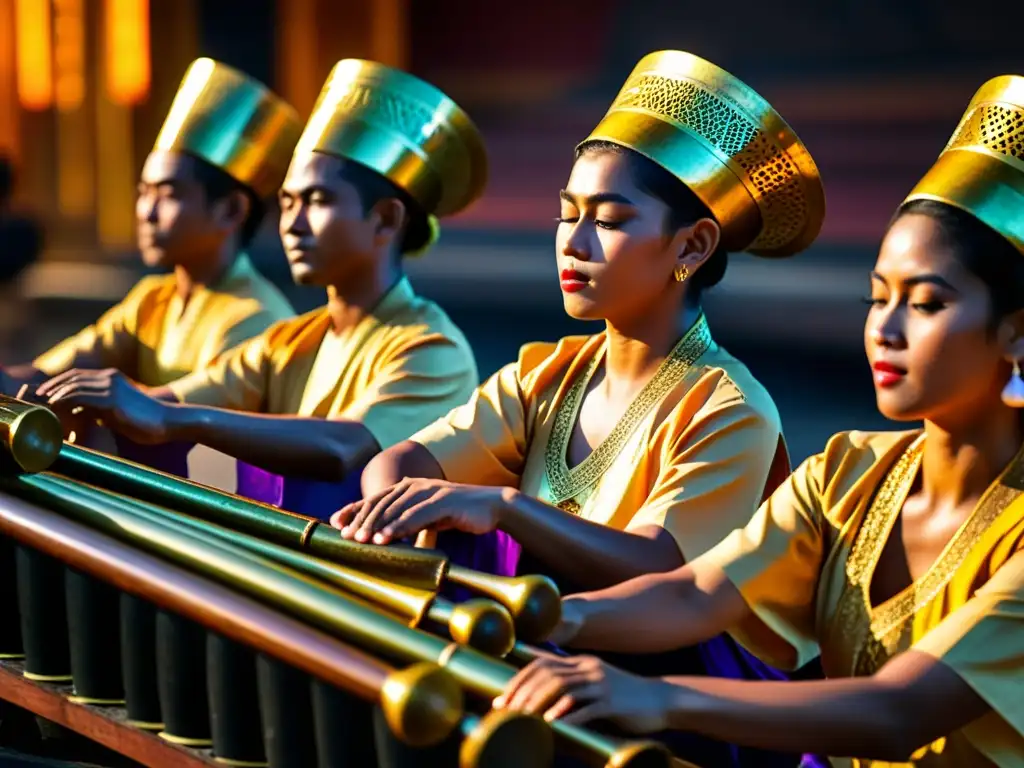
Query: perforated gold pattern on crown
(770, 176)
(981, 169)
(567, 484)
(996, 127)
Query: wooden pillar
(10, 114)
(316, 34)
(174, 42)
(116, 172)
(76, 168)
(390, 32)
(297, 76)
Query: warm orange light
(126, 50)
(9, 133)
(69, 54)
(35, 55)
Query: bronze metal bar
(358, 622)
(420, 699)
(30, 434)
(405, 565)
(482, 624)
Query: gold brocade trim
(566, 483)
(880, 630)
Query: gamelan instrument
(174, 624)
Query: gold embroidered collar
(882, 627)
(566, 483)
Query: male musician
(222, 152)
(318, 395)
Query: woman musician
(896, 556)
(637, 449)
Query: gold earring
(681, 272)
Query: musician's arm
(412, 385)
(886, 716)
(320, 449)
(711, 482)
(591, 554)
(407, 459)
(759, 582)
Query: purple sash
(171, 458)
(312, 498)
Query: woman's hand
(417, 504)
(579, 689)
(110, 396)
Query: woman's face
(928, 333)
(615, 259)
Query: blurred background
(873, 87)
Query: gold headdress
(981, 170)
(404, 129)
(727, 144)
(234, 123)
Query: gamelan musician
(637, 449)
(382, 156)
(897, 556)
(221, 154)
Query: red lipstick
(573, 281)
(887, 374)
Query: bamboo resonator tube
(422, 704)
(349, 617)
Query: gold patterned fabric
(400, 368)
(692, 454)
(805, 563)
(726, 143)
(981, 170)
(154, 337)
(403, 128)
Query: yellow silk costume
(805, 562)
(154, 338)
(405, 363)
(697, 447)
(234, 123)
(804, 565)
(691, 454)
(400, 368)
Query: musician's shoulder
(540, 359)
(290, 329)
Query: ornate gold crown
(404, 129)
(234, 123)
(981, 170)
(727, 144)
